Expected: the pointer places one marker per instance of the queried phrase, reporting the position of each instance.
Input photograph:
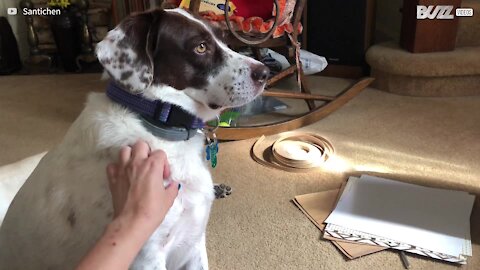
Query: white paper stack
(427, 221)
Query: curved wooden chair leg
(241, 133)
(306, 90)
(256, 53)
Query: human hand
(140, 203)
(136, 185)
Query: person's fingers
(166, 169)
(140, 150)
(156, 164)
(111, 172)
(158, 154)
(158, 157)
(171, 192)
(125, 155)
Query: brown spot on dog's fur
(49, 189)
(142, 35)
(99, 204)
(126, 74)
(123, 43)
(71, 218)
(124, 58)
(144, 78)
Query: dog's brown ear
(126, 51)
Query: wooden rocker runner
(332, 104)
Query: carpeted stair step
(454, 73)
(469, 27)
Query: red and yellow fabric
(251, 16)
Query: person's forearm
(118, 246)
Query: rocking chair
(288, 45)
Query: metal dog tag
(212, 150)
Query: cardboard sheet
(317, 207)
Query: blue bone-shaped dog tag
(211, 153)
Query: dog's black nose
(260, 73)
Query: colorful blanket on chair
(251, 16)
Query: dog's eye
(201, 49)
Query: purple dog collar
(162, 119)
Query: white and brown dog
(167, 58)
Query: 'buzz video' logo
(442, 12)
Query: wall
(388, 20)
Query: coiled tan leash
(294, 152)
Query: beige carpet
(453, 73)
(432, 141)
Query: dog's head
(172, 56)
